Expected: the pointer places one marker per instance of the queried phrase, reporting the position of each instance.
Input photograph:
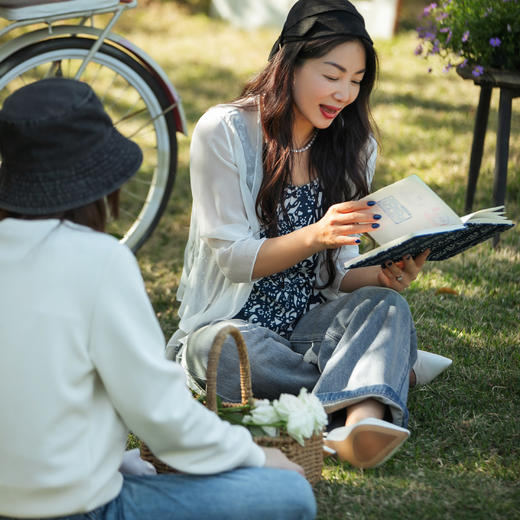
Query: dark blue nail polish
(371, 203)
(375, 225)
(377, 217)
(358, 241)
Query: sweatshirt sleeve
(148, 391)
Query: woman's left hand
(399, 275)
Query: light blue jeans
(242, 494)
(359, 346)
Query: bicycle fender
(24, 40)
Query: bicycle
(134, 89)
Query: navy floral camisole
(278, 301)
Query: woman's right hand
(338, 227)
(342, 222)
(274, 458)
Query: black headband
(313, 19)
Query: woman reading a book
(275, 176)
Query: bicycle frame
(99, 37)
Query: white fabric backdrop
(380, 15)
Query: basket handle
(213, 359)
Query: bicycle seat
(27, 9)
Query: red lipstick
(328, 111)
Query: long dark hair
(93, 215)
(342, 147)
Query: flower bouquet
(300, 417)
(475, 35)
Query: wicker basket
(309, 456)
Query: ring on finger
(399, 278)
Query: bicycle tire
(135, 101)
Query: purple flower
(463, 64)
(435, 48)
(447, 68)
(495, 42)
(450, 34)
(426, 34)
(478, 71)
(429, 9)
(465, 36)
(418, 50)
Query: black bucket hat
(59, 149)
(313, 19)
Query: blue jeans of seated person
(361, 345)
(245, 493)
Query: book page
(491, 215)
(407, 206)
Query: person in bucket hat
(276, 176)
(82, 352)
(59, 149)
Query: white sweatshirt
(81, 362)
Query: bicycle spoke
(108, 88)
(123, 210)
(128, 116)
(133, 195)
(23, 77)
(138, 180)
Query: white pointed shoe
(428, 366)
(346, 441)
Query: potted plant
(477, 37)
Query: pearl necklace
(307, 146)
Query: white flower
(304, 414)
(315, 408)
(300, 423)
(270, 430)
(263, 414)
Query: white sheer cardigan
(224, 238)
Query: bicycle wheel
(136, 103)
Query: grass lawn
(463, 458)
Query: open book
(415, 218)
